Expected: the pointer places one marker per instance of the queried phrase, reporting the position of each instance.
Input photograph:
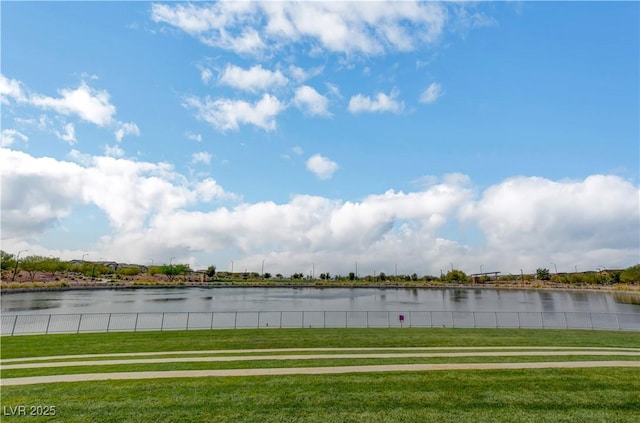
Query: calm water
(315, 299)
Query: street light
(555, 267)
(13, 278)
(262, 271)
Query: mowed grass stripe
(33, 346)
(311, 371)
(320, 356)
(285, 351)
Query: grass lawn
(533, 395)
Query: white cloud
(69, 134)
(347, 27)
(10, 88)
(321, 166)
(193, 136)
(113, 151)
(253, 79)
(431, 93)
(311, 102)
(85, 102)
(201, 157)
(382, 103)
(298, 150)
(9, 136)
(126, 128)
(38, 192)
(300, 75)
(224, 114)
(206, 75)
(520, 222)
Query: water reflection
(311, 299)
(626, 298)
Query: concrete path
(316, 357)
(327, 353)
(310, 371)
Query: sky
(311, 136)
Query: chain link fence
(114, 322)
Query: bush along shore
(48, 273)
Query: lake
(316, 299)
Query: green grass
(123, 342)
(557, 395)
(533, 395)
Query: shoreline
(538, 286)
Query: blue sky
(420, 134)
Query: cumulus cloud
(523, 222)
(201, 157)
(381, 103)
(346, 27)
(126, 128)
(431, 93)
(311, 102)
(224, 114)
(85, 102)
(321, 166)
(38, 192)
(253, 79)
(69, 134)
(9, 136)
(10, 89)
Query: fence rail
(120, 322)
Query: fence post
(109, 322)
(495, 314)
(79, 322)
(303, 320)
(13, 329)
(235, 320)
(135, 326)
(162, 323)
(617, 321)
(46, 331)
(188, 316)
(518, 316)
(346, 319)
(453, 320)
(388, 319)
(591, 320)
(212, 313)
(566, 322)
(280, 320)
(473, 313)
(258, 323)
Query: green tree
(382, 276)
(170, 271)
(631, 274)
(267, 275)
(543, 274)
(54, 265)
(352, 276)
(456, 276)
(7, 261)
(211, 271)
(129, 271)
(32, 265)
